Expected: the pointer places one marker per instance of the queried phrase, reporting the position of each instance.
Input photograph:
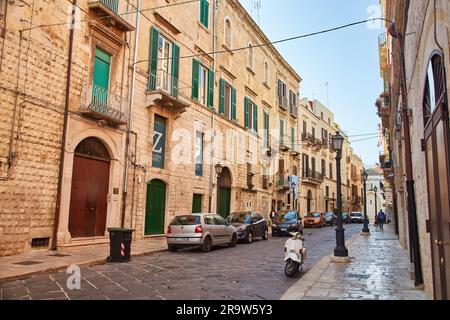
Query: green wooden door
(155, 209)
(224, 202)
(100, 88)
(197, 203)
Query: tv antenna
(256, 4)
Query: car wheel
(266, 235)
(207, 244)
(249, 237)
(291, 268)
(173, 248)
(234, 240)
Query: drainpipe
(213, 119)
(54, 245)
(127, 142)
(411, 198)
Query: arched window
(266, 72)
(434, 87)
(250, 56)
(227, 34)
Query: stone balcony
(114, 13)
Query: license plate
(311, 222)
(284, 229)
(181, 239)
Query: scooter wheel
(291, 268)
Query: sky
(347, 59)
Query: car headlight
(241, 228)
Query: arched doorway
(89, 193)
(225, 193)
(155, 212)
(308, 201)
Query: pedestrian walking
(381, 218)
(272, 216)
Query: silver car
(203, 230)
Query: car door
(211, 228)
(222, 231)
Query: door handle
(438, 243)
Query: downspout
(213, 117)
(54, 245)
(127, 142)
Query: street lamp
(341, 251)
(218, 168)
(365, 230)
(375, 189)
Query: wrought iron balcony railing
(102, 104)
(312, 176)
(282, 182)
(283, 102)
(293, 111)
(116, 13)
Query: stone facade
(426, 26)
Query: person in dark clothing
(381, 218)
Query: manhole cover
(28, 263)
(59, 255)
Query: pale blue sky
(347, 59)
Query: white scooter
(295, 254)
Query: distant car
(330, 218)
(202, 230)
(286, 222)
(249, 225)
(357, 217)
(315, 219)
(346, 217)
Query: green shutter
(255, 117)
(233, 103)
(292, 137)
(282, 132)
(211, 89)
(195, 83)
(266, 127)
(204, 12)
(222, 97)
(175, 69)
(246, 113)
(153, 63)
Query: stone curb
(90, 263)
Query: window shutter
(211, 89)
(204, 12)
(153, 63)
(255, 117)
(233, 103)
(175, 69)
(195, 71)
(222, 97)
(246, 110)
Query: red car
(315, 219)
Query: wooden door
(197, 203)
(88, 202)
(156, 208)
(224, 202)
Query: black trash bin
(120, 244)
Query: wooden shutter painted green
(266, 127)
(153, 63)
(292, 137)
(175, 69)
(204, 12)
(101, 79)
(246, 113)
(211, 89)
(222, 97)
(195, 80)
(255, 118)
(233, 103)
(282, 132)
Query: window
(331, 170)
(159, 142)
(266, 73)
(313, 132)
(227, 36)
(305, 128)
(435, 88)
(251, 115)
(292, 99)
(163, 63)
(227, 102)
(282, 99)
(324, 168)
(327, 191)
(204, 12)
(202, 84)
(281, 132)
(292, 138)
(250, 62)
(321, 115)
(199, 154)
(266, 129)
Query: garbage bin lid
(120, 229)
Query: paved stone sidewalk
(379, 271)
(45, 261)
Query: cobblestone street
(253, 271)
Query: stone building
(318, 164)
(113, 118)
(414, 58)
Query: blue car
(286, 222)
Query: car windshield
(287, 216)
(313, 215)
(185, 221)
(357, 214)
(240, 217)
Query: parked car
(330, 218)
(346, 217)
(357, 217)
(315, 219)
(286, 222)
(249, 225)
(202, 230)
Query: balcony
(308, 138)
(382, 48)
(294, 151)
(312, 177)
(166, 93)
(103, 105)
(317, 143)
(325, 143)
(282, 182)
(293, 111)
(265, 182)
(283, 102)
(114, 13)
